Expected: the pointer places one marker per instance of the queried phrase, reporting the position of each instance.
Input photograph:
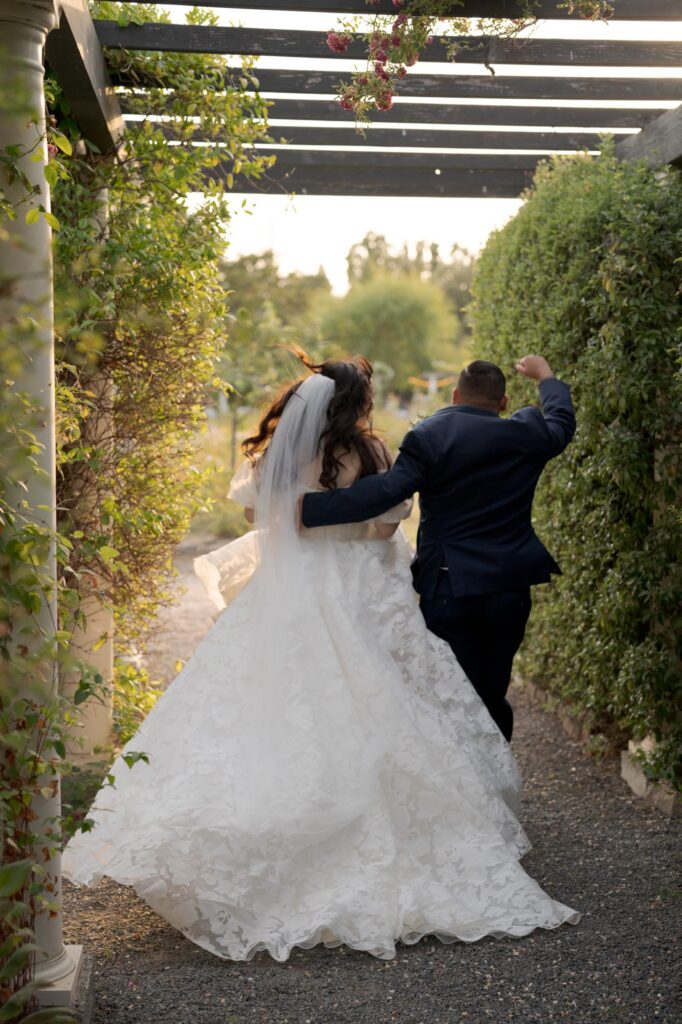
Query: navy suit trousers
(484, 631)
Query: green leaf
(134, 756)
(14, 1006)
(32, 215)
(107, 553)
(17, 961)
(51, 175)
(13, 877)
(51, 220)
(62, 143)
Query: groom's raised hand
(535, 367)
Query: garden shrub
(141, 316)
(588, 274)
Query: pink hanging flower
(381, 72)
(52, 150)
(348, 98)
(338, 42)
(399, 22)
(398, 4)
(385, 101)
(402, 71)
(378, 42)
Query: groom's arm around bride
(477, 552)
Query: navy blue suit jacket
(476, 474)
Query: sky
(307, 232)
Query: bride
(321, 771)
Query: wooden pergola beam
(453, 115)
(459, 86)
(74, 53)
(659, 143)
(307, 44)
(632, 10)
(404, 163)
(508, 87)
(376, 181)
(545, 142)
(300, 137)
(392, 174)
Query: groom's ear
(504, 404)
(456, 397)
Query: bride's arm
(386, 524)
(386, 530)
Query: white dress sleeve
(226, 570)
(397, 513)
(244, 486)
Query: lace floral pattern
(363, 797)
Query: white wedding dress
(321, 771)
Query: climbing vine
(141, 311)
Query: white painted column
(26, 264)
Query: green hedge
(588, 273)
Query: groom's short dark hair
(482, 382)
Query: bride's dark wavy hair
(353, 401)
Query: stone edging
(660, 795)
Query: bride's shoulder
(368, 454)
(380, 450)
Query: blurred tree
(373, 255)
(402, 321)
(268, 312)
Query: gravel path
(596, 847)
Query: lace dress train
(356, 792)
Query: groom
(477, 554)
